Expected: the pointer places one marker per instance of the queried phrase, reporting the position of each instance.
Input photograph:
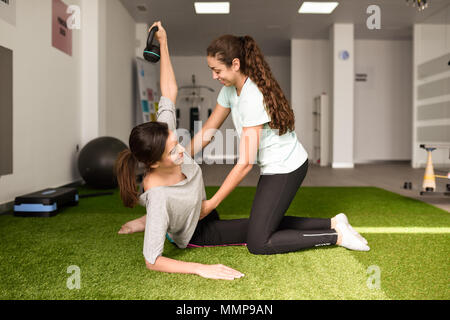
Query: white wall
(383, 104)
(91, 32)
(108, 51)
(310, 76)
(342, 95)
(141, 38)
(120, 54)
(46, 100)
(385, 98)
(54, 108)
(431, 41)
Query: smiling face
(173, 154)
(222, 73)
(174, 151)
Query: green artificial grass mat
(409, 242)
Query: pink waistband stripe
(190, 245)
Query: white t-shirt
(277, 154)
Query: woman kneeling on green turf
(174, 194)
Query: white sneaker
(349, 240)
(341, 217)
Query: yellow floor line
(433, 230)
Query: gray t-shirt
(172, 209)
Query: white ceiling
(273, 23)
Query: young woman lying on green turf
(174, 195)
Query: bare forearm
(198, 142)
(206, 134)
(217, 271)
(168, 265)
(233, 179)
(168, 81)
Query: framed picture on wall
(8, 11)
(61, 34)
(6, 111)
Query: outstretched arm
(204, 136)
(168, 82)
(217, 271)
(248, 152)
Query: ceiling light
(421, 4)
(212, 7)
(318, 7)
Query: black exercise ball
(96, 162)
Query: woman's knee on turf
(257, 247)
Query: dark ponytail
(147, 145)
(253, 64)
(126, 165)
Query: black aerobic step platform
(45, 203)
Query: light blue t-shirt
(277, 154)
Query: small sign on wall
(364, 77)
(8, 11)
(361, 77)
(61, 34)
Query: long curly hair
(228, 47)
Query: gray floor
(388, 175)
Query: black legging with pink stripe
(268, 231)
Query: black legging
(268, 231)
